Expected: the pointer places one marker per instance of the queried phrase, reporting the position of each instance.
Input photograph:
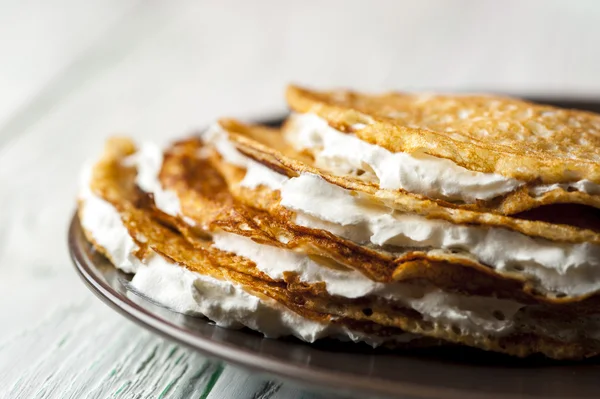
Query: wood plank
(87, 351)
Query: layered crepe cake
(396, 219)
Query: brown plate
(450, 372)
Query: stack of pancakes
(395, 219)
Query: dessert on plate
(395, 219)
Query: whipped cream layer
(225, 303)
(100, 216)
(584, 186)
(573, 269)
(219, 138)
(229, 305)
(419, 173)
(472, 314)
(148, 160)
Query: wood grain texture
(86, 351)
(73, 73)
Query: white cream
(351, 284)
(177, 288)
(476, 315)
(148, 160)
(223, 302)
(229, 305)
(102, 220)
(584, 186)
(259, 175)
(219, 138)
(274, 262)
(573, 269)
(414, 172)
(256, 173)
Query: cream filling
(476, 315)
(257, 174)
(573, 269)
(414, 172)
(418, 173)
(148, 160)
(473, 314)
(98, 215)
(584, 186)
(229, 305)
(225, 303)
(341, 213)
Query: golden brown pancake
(489, 134)
(210, 194)
(267, 146)
(536, 144)
(436, 295)
(113, 181)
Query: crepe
(113, 181)
(268, 147)
(298, 231)
(553, 152)
(211, 195)
(489, 134)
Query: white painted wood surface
(72, 73)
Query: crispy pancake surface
(578, 208)
(236, 204)
(211, 195)
(489, 134)
(114, 181)
(268, 146)
(219, 203)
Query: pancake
(370, 219)
(417, 131)
(489, 134)
(114, 182)
(268, 147)
(213, 198)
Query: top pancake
(490, 134)
(268, 147)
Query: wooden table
(73, 73)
